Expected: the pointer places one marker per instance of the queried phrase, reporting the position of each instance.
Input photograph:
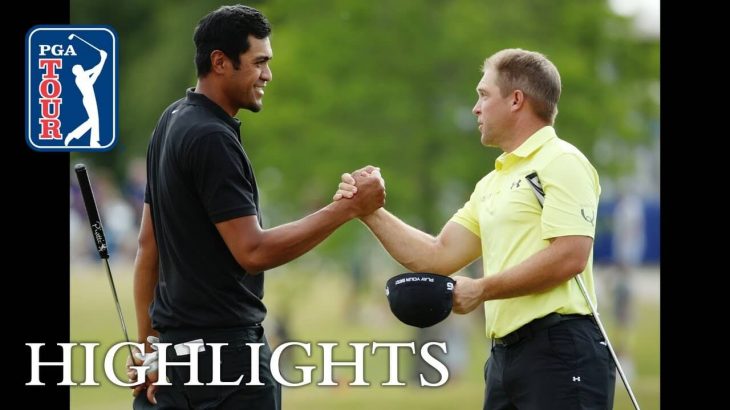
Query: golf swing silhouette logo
(71, 88)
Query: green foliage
(389, 84)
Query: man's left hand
(150, 361)
(467, 294)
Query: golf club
(534, 182)
(71, 37)
(98, 233)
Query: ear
(217, 61)
(518, 100)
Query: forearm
(146, 273)
(287, 242)
(412, 248)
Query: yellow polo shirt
(504, 212)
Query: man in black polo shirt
(202, 250)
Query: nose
(476, 110)
(266, 74)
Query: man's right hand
(369, 186)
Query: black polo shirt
(198, 175)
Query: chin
(253, 107)
(488, 143)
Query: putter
(98, 232)
(72, 36)
(534, 182)
(140, 402)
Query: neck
(204, 86)
(524, 129)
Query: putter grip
(94, 221)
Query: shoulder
(171, 108)
(485, 179)
(206, 132)
(567, 170)
(197, 126)
(565, 148)
(483, 183)
(556, 147)
(208, 140)
(559, 153)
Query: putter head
(141, 403)
(70, 36)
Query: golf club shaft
(537, 189)
(87, 43)
(99, 238)
(594, 311)
(119, 307)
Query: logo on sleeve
(71, 88)
(588, 214)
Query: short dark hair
(227, 29)
(532, 73)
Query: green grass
(322, 311)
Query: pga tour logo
(71, 88)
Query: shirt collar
(199, 99)
(532, 144)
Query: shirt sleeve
(467, 216)
(571, 197)
(147, 193)
(221, 177)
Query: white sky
(646, 13)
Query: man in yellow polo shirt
(547, 353)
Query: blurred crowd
(120, 209)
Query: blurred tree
(386, 83)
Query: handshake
(363, 191)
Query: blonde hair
(531, 72)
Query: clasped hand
(149, 360)
(365, 186)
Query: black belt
(535, 326)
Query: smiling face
(245, 85)
(492, 111)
